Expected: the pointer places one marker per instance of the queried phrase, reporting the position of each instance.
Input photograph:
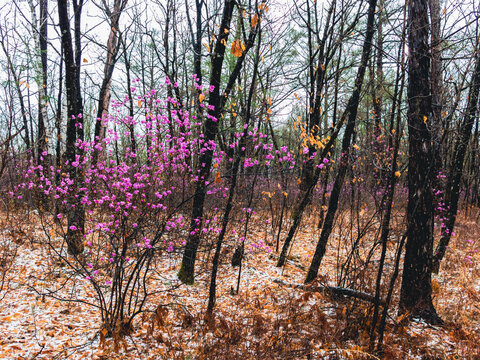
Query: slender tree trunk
(75, 216)
(58, 121)
(131, 126)
(42, 89)
(217, 102)
(452, 192)
(111, 59)
(310, 175)
(186, 273)
(317, 71)
(15, 76)
(378, 93)
(197, 44)
(305, 195)
(236, 167)
(387, 201)
(351, 113)
(436, 81)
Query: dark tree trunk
(58, 120)
(317, 81)
(350, 112)
(317, 71)
(196, 40)
(305, 196)
(42, 103)
(217, 100)
(74, 122)
(378, 96)
(387, 201)
(452, 192)
(437, 81)
(236, 167)
(187, 270)
(416, 289)
(74, 98)
(196, 37)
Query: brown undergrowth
(264, 320)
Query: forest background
(240, 178)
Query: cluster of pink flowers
(135, 192)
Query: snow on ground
(37, 326)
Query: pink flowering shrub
(136, 186)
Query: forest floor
(265, 320)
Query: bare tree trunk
(416, 289)
(452, 192)
(196, 37)
(236, 167)
(39, 31)
(15, 76)
(42, 81)
(186, 273)
(387, 201)
(74, 121)
(436, 80)
(378, 93)
(58, 120)
(317, 74)
(350, 112)
(112, 51)
(131, 126)
(217, 100)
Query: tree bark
(452, 192)
(436, 81)
(350, 112)
(236, 166)
(186, 273)
(317, 75)
(112, 51)
(416, 289)
(42, 90)
(75, 216)
(395, 136)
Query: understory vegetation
(239, 179)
